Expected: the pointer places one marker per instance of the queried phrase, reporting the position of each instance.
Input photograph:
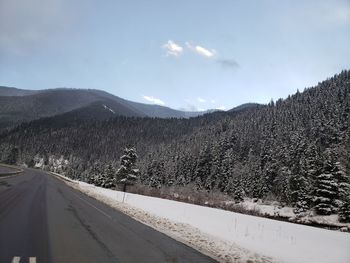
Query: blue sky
(194, 54)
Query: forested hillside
(295, 150)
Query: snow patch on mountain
(107, 108)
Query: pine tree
(326, 188)
(343, 182)
(344, 211)
(215, 168)
(101, 177)
(234, 188)
(281, 186)
(225, 171)
(12, 158)
(155, 174)
(299, 193)
(238, 192)
(127, 174)
(311, 163)
(203, 168)
(110, 177)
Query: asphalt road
(44, 220)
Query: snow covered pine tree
(127, 174)
(344, 212)
(327, 188)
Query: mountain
(10, 91)
(152, 110)
(245, 106)
(18, 105)
(16, 109)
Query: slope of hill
(18, 106)
(282, 151)
(245, 106)
(10, 91)
(149, 110)
(16, 109)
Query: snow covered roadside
(65, 178)
(221, 250)
(231, 237)
(274, 209)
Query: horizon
(179, 109)
(195, 56)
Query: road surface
(44, 220)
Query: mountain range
(18, 105)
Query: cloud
(201, 100)
(189, 107)
(221, 108)
(201, 50)
(205, 52)
(172, 48)
(154, 100)
(228, 63)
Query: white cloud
(201, 100)
(172, 48)
(154, 100)
(201, 50)
(212, 101)
(205, 52)
(221, 108)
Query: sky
(184, 54)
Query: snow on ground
(230, 237)
(272, 209)
(330, 220)
(275, 209)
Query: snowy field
(228, 236)
(274, 209)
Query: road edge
(10, 174)
(63, 178)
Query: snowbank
(285, 242)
